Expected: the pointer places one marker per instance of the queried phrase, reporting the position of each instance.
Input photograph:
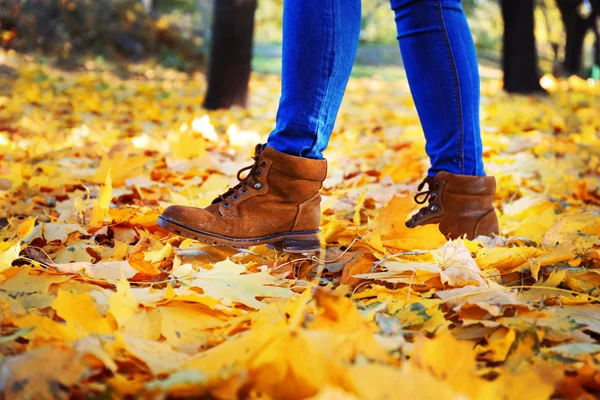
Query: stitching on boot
(252, 219)
(300, 208)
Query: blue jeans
(320, 38)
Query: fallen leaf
(390, 226)
(230, 283)
(78, 311)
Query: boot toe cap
(174, 212)
(193, 217)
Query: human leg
(442, 70)
(278, 201)
(320, 38)
(441, 66)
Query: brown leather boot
(278, 202)
(461, 204)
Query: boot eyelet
(434, 197)
(259, 172)
(226, 204)
(235, 197)
(437, 185)
(244, 191)
(258, 186)
(434, 208)
(263, 164)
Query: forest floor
(97, 301)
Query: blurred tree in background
(230, 53)
(519, 56)
(111, 28)
(559, 36)
(579, 17)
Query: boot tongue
(259, 148)
(213, 208)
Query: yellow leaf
(282, 362)
(376, 382)
(492, 301)
(185, 294)
(186, 144)
(359, 204)
(137, 260)
(121, 166)
(334, 230)
(122, 305)
(356, 266)
(535, 225)
(144, 325)
(555, 278)
(575, 229)
(58, 232)
(101, 206)
(79, 312)
(562, 252)
(119, 250)
(183, 323)
(506, 259)
(229, 283)
(9, 252)
(535, 382)
(75, 252)
(108, 270)
(127, 385)
(26, 227)
(499, 344)
(159, 357)
(457, 266)
(159, 255)
(27, 282)
(45, 328)
(98, 214)
(450, 361)
(340, 316)
(390, 225)
(105, 196)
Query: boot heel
(302, 244)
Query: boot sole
(290, 242)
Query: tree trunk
(575, 28)
(519, 55)
(230, 53)
(596, 42)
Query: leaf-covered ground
(96, 300)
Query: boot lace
(250, 180)
(424, 196)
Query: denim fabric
(320, 38)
